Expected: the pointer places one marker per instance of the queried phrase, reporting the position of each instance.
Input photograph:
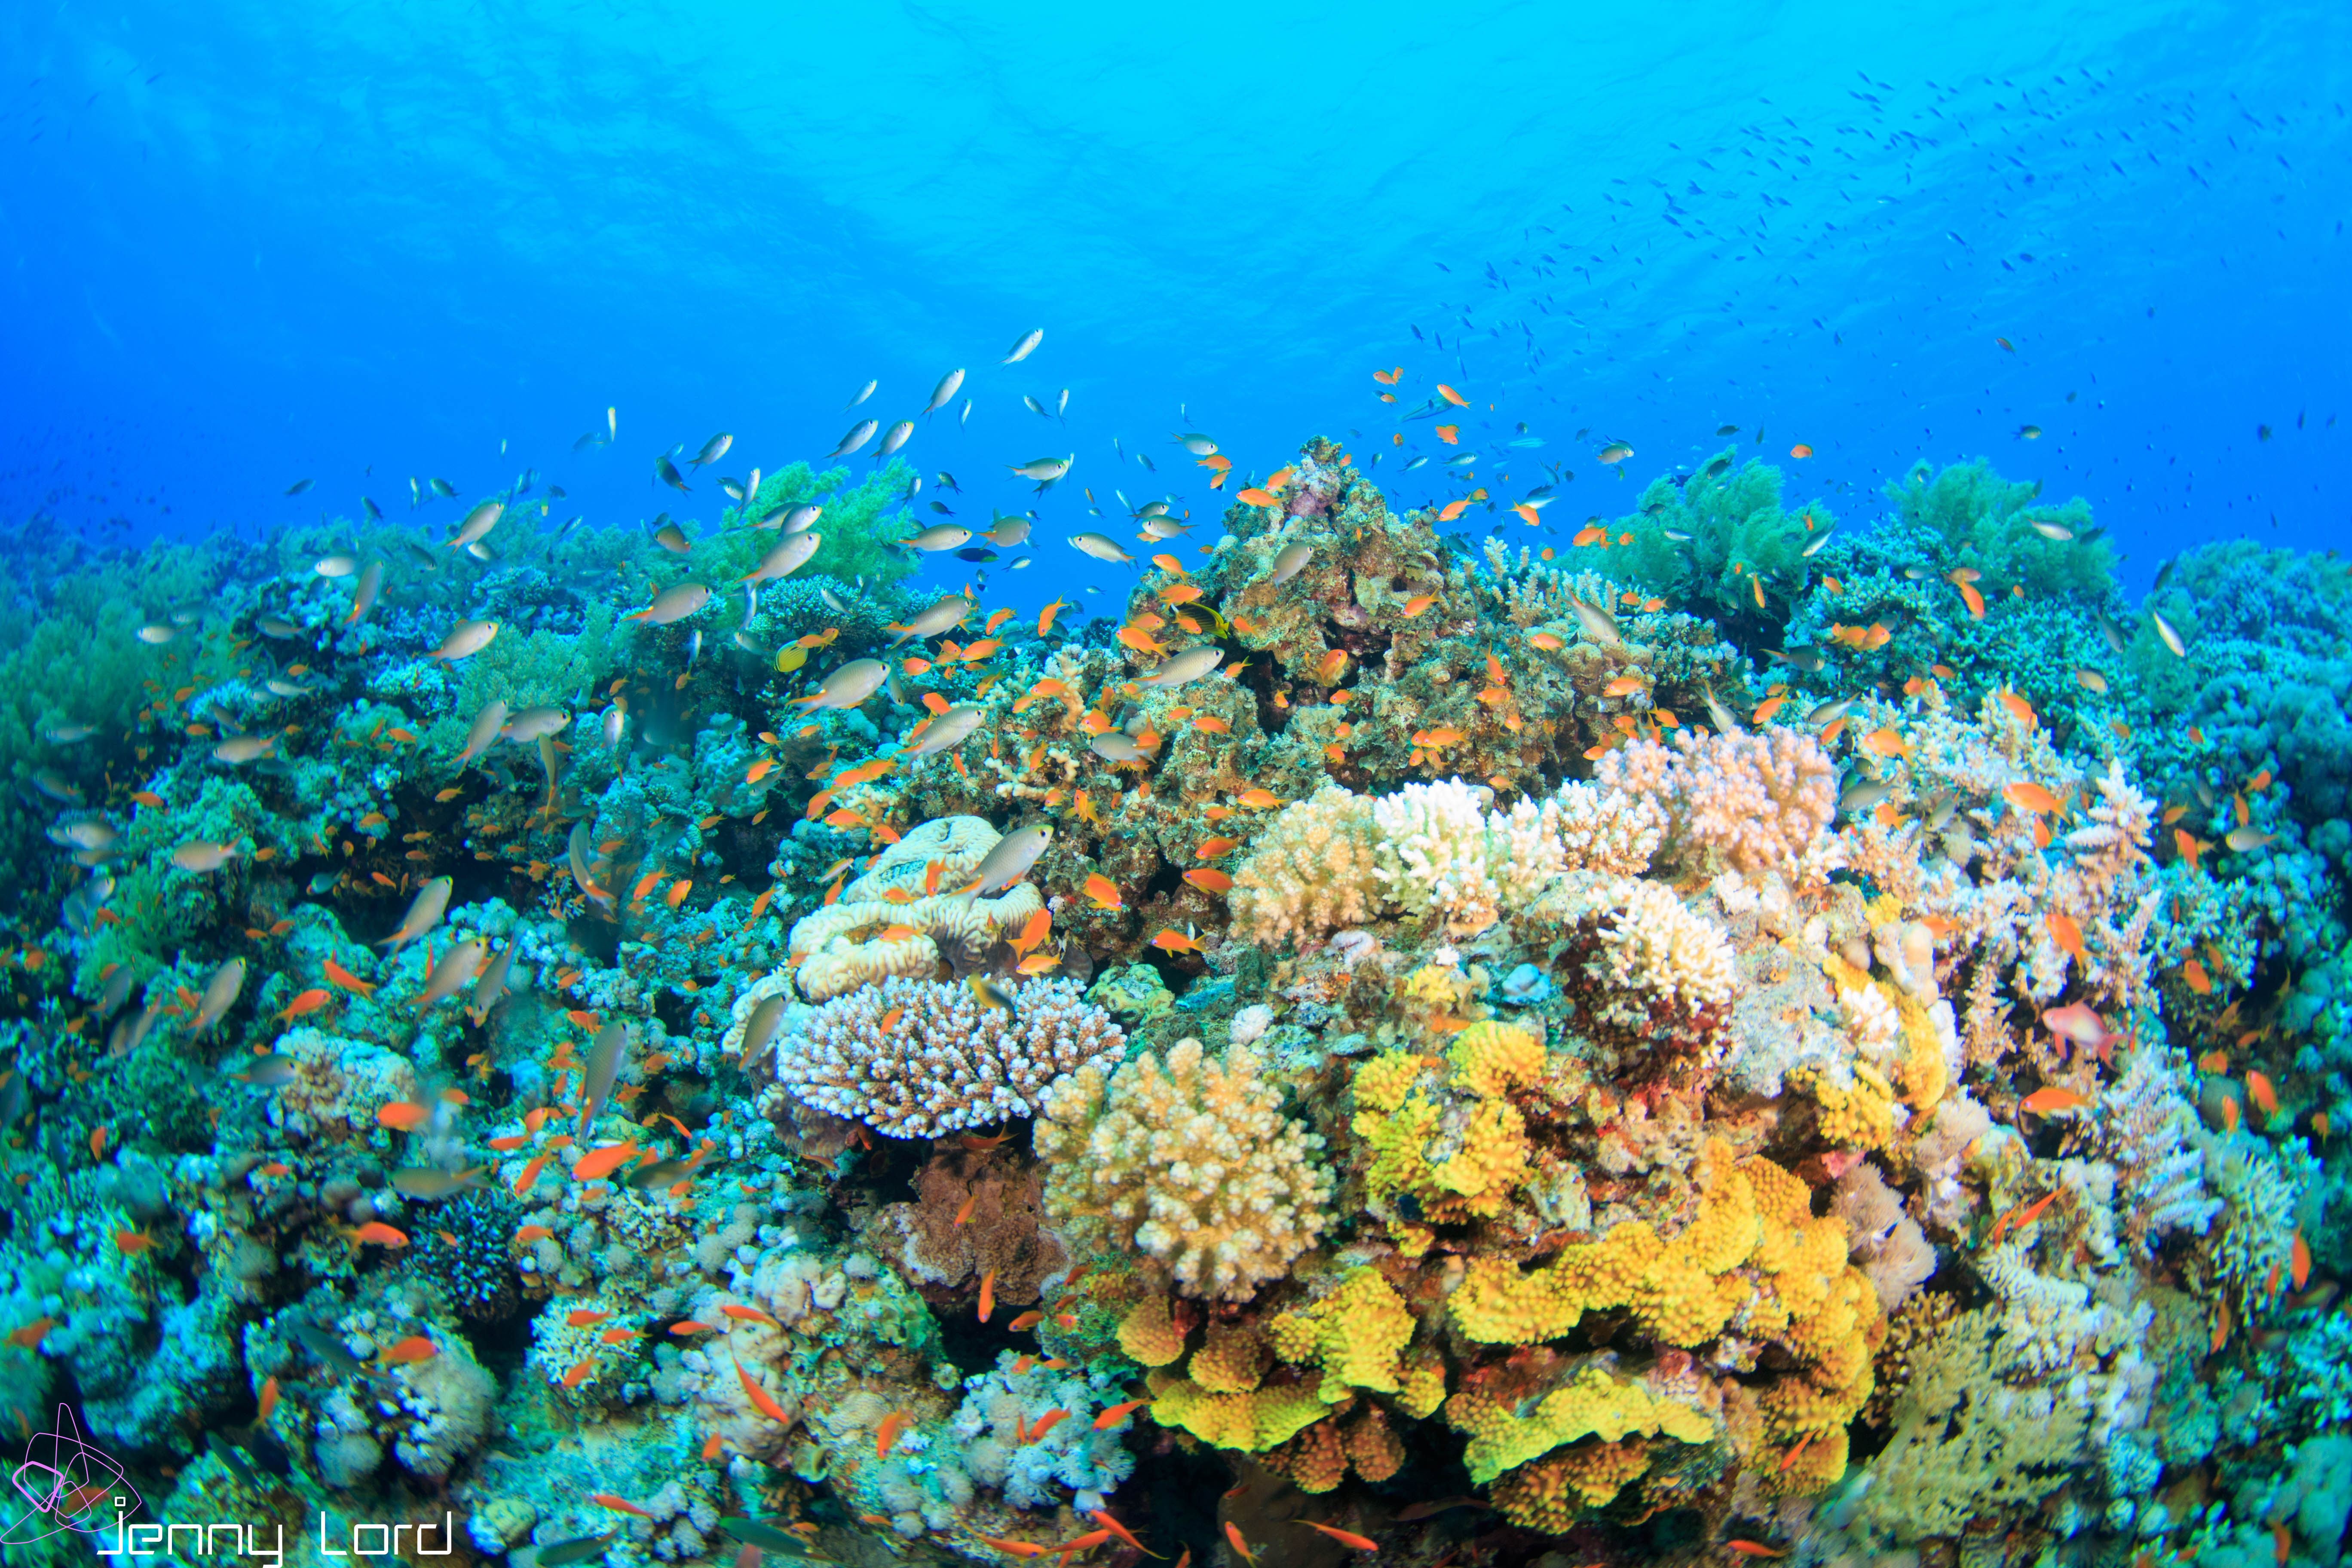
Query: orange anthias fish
(2260, 1092)
(2032, 797)
(1102, 891)
(408, 1352)
(987, 1294)
(343, 977)
(378, 1234)
(400, 1115)
(2049, 1100)
(1209, 881)
(1347, 1538)
(1755, 1549)
(600, 1163)
(761, 1400)
(887, 1435)
(2068, 934)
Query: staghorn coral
(916, 1058)
(1190, 1162)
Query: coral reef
(1694, 1040)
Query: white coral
(917, 1059)
(1192, 1164)
(1755, 802)
(1310, 870)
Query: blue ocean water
(257, 243)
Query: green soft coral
(1707, 542)
(861, 526)
(1977, 519)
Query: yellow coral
(1926, 1075)
(1231, 1361)
(1594, 1403)
(1253, 1421)
(1355, 1334)
(1489, 1059)
(1552, 1494)
(1859, 1115)
(1431, 986)
(1148, 1334)
(1459, 1153)
(1680, 1291)
(1753, 1258)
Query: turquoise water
(1586, 804)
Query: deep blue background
(247, 242)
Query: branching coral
(1754, 802)
(916, 1058)
(1310, 871)
(1190, 1161)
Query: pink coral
(1757, 801)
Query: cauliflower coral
(1191, 1162)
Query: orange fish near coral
(1209, 881)
(2052, 1099)
(343, 977)
(885, 1435)
(2260, 1092)
(1347, 1538)
(410, 1350)
(1102, 891)
(375, 1233)
(2068, 934)
(987, 1294)
(761, 1400)
(1754, 1549)
(400, 1115)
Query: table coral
(916, 1058)
(1190, 1162)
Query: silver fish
(1180, 669)
(1198, 445)
(1025, 347)
(1115, 747)
(942, 617)
(947, 389)
(940, 536)
(1102, 547)
(1007, 532)
(465, 639)
(946, 730)
(458, 968)
(429, 1184)
(895, 437)
(847, 686)
(673, 604)
(712, 450)
(492, 985)
(863, 393)
(484, 731)
(1011, 859)
(858, 435)
(604, 1070)
(477, 523)
(1044, 470)
(760, 1027)
(424, 912)
(220, 995)
(786, 557)
(1290, 560)
(532, 722)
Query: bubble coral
(1190, 1162)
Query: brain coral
(916, 1058)
(1192, 1162)
(841, 947)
